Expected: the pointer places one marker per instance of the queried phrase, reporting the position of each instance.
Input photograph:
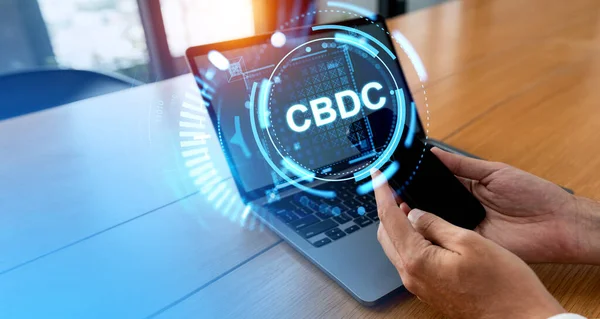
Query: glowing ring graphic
(414, 58)
(191, 147)
(386, 154)
(362, 173)
(193, 143)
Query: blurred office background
(143, 39)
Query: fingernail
(373, 171)
(414, 215)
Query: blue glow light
(352, 30)
(218, 190)
(205, 94)
(379, 180)
(209, 185)
(192, 143)
(411, 127)
(222, 198)
(336, 211)
(364, 157)
(197, 160)
(238, 139)
(297, 169)
(352, 7)
(195, 134)
(198, 171)
(191, 125)
(245, 213)
(203, 178)
(193, 152)
(346, 38)
(191, 116)
(361, 210)
(203, 84)
(263, 113)
(228, 207)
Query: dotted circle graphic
(282, 147)
(220, 200)
(290, 22)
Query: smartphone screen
(423, 181)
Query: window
(192, 22)
(104, 35)
(98, 35)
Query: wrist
(588, 231)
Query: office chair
(31, 91)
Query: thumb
(436, 230)
(467, 167)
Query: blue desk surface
(98, 215)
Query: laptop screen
(328, 86)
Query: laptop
(338, 234)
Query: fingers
(437, 230)
(405, 208)
(389, 249)
(468, 183)
(465, 166)
(384, 196)
(396, 196)
(396, 224)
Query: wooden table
(99, 219)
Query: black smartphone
(433, 188)
(423, 181)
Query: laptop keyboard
(322, 221)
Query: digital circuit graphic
(309, 118)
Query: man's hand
(532, 217)
(456, 270)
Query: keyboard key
(286, 216)
(335, 233)
(317, 228)
(314, 206)
(345, 196)
(343, 218)
(302, 212)
(322, 242)
(370, 206)
(323, 215)
(304, 222)
(362, 221)
(352, 203)
(354, 212)
(324, 211)
(373, 216)
(352, 229)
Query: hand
(456, 270)
(532, 217)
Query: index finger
(384, 196)
(394, 220)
